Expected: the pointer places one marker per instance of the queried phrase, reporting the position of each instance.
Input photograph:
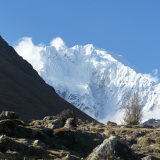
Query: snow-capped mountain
(94, 80)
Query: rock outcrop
(74, 139)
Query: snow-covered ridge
(94, 80)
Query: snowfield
(92, 79)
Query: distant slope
(22, 90)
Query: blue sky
(128, 28)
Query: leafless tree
(132, 105)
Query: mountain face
(94, 80)
(22, 90)
(152, 122)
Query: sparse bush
(132, 105)
(65, 114)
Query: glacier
(94, 80)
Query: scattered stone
(26, 143)
(38, 143)
(3, 137)
(85, 128)
(147, 158)
(53, 124)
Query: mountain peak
(95, 80)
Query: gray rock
(113, 146)
(3, 137)
(147, 158)
(69, 123)
(26, 143)
(36, 141)
(53, 124)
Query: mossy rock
(145, 141)
(157, 140)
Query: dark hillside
(22, 90)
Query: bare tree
(132, 105)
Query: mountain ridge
(94, 80)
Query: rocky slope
(92, 79)
(22, 90)
(66, 137)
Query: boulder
(7, 126)
(69, 123)
(111, 123)
(53, 124)
(9, 115)
(114, 148)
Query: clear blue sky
(127, 27)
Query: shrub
(132, 105)
(65, 114)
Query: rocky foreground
(66, 137)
